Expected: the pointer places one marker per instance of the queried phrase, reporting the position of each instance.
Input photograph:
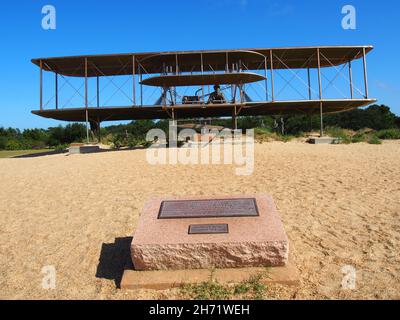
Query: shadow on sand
(40, 154)
(50, 153)
(114, 259)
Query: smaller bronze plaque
(208, 228)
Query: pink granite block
(165, 244)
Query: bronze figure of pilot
(217, 96)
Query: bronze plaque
(208, 228)
(218, 208)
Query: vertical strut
(56, 79)
(309, 94)
(141, 86)
(365, 73)
(319, 74)
(309, 84)
(86, 100)
(234, 118)
(41, 85)
(202, 72)
(351, 80)
(266, 77)
(320, 93)
(272, 75)
(133, 81)
(98, 91)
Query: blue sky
(96, 27)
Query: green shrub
(37, 145)
(147, 144)
(261, 131)
(286, 138)
(301, 134)
(13, 145)
(340, 133)
(264, 135)
(3, 143)
(107, 139)
(117, 144)
(133, 142)
(359, 137)
(61, 147)
(119, 141)
(389, 134)
(60, 135)
(34, 144)
(374, 140)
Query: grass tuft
(209, 290)
(251, 289)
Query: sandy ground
(340, 206)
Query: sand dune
(340, 206)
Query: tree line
(375, 117)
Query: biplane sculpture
(232, 70)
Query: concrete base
(82, 149)
(165, 244)
(324, 140)
(162, 280)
